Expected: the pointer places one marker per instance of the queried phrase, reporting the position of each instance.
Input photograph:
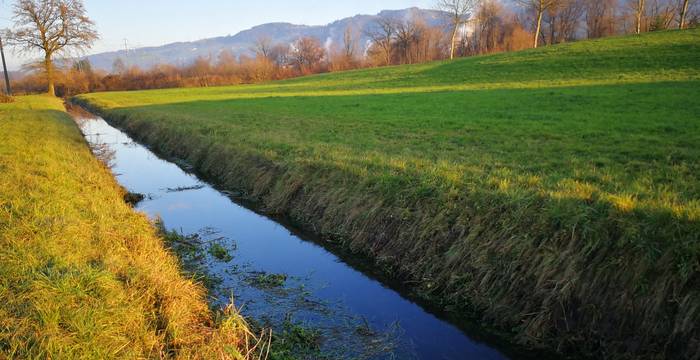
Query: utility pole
(8, 90)
(126, 49)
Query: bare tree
(201, 70)
(263, 47)
(459, 11)
(639, 11)
(562, 21)
(8, 88)
(600, 17)
(688, 13)
(489, 24)
(307, 54)
(662, 13)
(119, 66)
(344, 56)
(407, 32)
(383, 35)
(683, 14)
(538, 7)
(349, 44)
(53, 27)
(279, 55)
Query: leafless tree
(118, 66)
(349, 44)
(538, 7)
(201, 70)
(279, 55)
(54, 27)
(344, 56)
(459, 11)
(489, 26)
(263, 47)
(662, 13)
(383, 35)
(307, 54)
(600, 17)
(226, 63)
(562, 20)
(407, 32)
(8, 88)
(692, 16)
(639, 12)
(684, 11)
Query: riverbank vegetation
(553, 192)
(81, 274)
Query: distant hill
(183, 53)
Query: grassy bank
(552, 191)
(81, 274)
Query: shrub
(5, 99)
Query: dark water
(357, 316)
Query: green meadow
(82, 275)
(552, 192)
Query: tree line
(471, 27)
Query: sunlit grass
(519, 184)
(81, 274)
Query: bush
(5, 99)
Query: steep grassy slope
(554, 191)
(81, 274)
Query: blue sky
(158, 22)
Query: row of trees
(555, 21)
(270, 62)
(472, 27)
(495, 26)
(409, 41)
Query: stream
(275, 276)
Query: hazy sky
(158, 22)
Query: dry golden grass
(81, 274)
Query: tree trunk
(8, 89)
(452, 44)
(552, 30)
(387, 53)
(684, 12)
(540, 12)
(48, 65)
(640, 11)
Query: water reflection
(274, 276)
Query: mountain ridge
(241, 43)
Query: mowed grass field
(555, 191)
(81, 274)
